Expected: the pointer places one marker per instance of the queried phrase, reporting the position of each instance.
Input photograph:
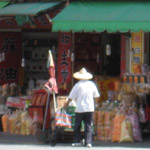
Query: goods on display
(20, 123)
(117, 119)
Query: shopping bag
(63, 119)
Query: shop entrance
(87, 48)
(90, 52)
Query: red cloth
(51, 85)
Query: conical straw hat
(82, 75)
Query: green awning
(111, 16)
(28, 8)
(3, 4)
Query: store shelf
(35, 51)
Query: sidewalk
(6, 138)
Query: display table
(38, 104)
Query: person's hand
(66, 105)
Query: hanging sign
(64, 58)
(137, 51)
(10, 46)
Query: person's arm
(67, 103)
(96, 101)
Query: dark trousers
(87, 117)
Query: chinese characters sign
(64, 59)
(107, 87)
(137, 49)
(10, 45)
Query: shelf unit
(35, 51)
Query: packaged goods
(5, 122)
(100, 133)
(129, 98)
(95, 117)
(18, 125)
(142, 114)
(137, 69)
(23, 123)
(108, 133)
(136, 132)
(117, 127)
(28, 126)
(126, 131)
(5, 90)
(36, 123)
(12, 124)
(108, 118)
(101, 115)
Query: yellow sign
(137, 50)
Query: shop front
(110, 39)
(26, 38)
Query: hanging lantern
(108, 50)
(3, 56)
(0, 57)
(72, 57)
(23, 62)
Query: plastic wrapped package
(24, 115)
(28, 125)
(129, 98)
(18, 123)
(117, 127)
(101, 115)
(36, 123)
(108, 133)
(23, 127)
(12, 123)
(126, 131)
(142, 114)
(5, 118)
(100, 133)
(136, 131)
(108, 118)
(95, 118)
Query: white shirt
(84, 92)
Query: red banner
(64, 58)
(10, 46)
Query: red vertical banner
(64, 58)
(10, 46)
(123, 55)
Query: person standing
(84, 92)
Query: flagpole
(46, 110)
(54, 99)
(50, 85)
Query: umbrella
(51, 85)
